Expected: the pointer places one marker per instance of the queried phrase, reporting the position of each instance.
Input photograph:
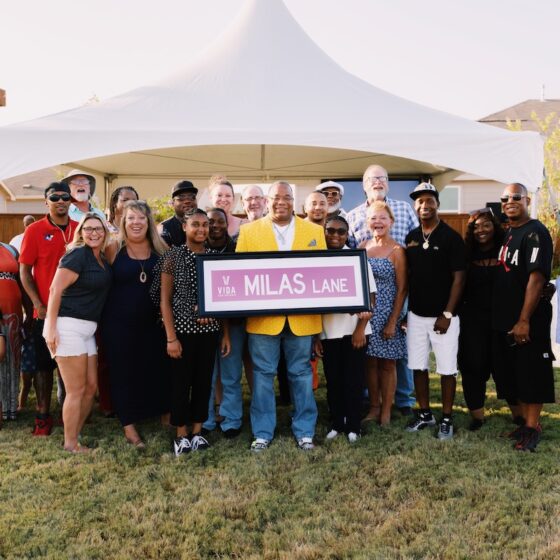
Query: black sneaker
(529, 440)
(445, 429)
(199, 443)
(423, 420)
(181, 446)
(476, 424)
(232, 433)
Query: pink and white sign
(277, 283)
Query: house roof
(523, 112)
(29, 185)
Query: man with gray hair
(253, 202)
(334, 193)
(376, 187)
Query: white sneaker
(332, 434)
(199, 443)
(259, 444)
(353, 437)
(306, 443)
(181, 445)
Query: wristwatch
(447, 314)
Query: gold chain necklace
(65, 239)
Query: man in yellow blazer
(280, 230)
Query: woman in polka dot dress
(192, 341)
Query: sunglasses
(338, 231)
(515, 197)
(56, 197)
(482, 211)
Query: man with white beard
(82, 188)
(334, 193)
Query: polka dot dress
(180, 262)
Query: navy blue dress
(134, 342)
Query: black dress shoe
(231, 433)
(406, 411)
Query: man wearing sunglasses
(82, 188)
(521, 318)
(44, 242)
(334, 193)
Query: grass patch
(391, 495)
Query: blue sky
(467, 57)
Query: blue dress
(385, 280)
(134, 342)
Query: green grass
(391, 495)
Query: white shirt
(338, 325)
(284, 235)
(16, 242)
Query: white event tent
(265, 102)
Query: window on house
(449, 199)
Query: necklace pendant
(143, 277)
(425, 245)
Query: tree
(549, 194)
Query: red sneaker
(43, 427)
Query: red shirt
(43, 245)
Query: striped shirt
(405, 221)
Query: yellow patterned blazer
(259, 236)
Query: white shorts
(421, 337)
(75, 337)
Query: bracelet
(170, 341)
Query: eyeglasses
(93, 229)
(514, 196)
(80, 181)
(334, 193)
(337, 231)
(253, 199)
(182, 197)
(56, 197)
(486, 210)
(380, 178)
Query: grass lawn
(391, 495)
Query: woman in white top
(342, 345)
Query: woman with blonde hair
(77, 295)
(222, 196)
(133, 338)
(387, 342)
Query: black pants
(344, 368)
(192, 378)
(475, 358)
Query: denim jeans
(404, 395)
(265, 352)
(230, 368)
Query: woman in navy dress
(387, 342)
(133, 336)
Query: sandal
(373, 414)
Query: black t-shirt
(85, 298)
(172, 232)
(430, 271)
(525, 249)
(479, 286)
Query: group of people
(112, 303)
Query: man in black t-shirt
(521, 318)
(436, 268)
(183, 198)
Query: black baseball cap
(183, 186)
(57, 187)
